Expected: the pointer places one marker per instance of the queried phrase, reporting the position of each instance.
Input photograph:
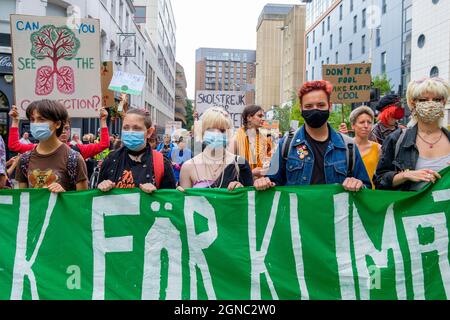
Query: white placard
(58, 60)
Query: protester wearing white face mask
(215, 167)
(51, 164)
(136, 164)
(413, 157)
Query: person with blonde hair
(362, 119)
(413, 157)
(215, 166)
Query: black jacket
(118, 161)
(406, 159)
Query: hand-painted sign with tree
(56, 60)
(55, 44)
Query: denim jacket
(296, 171)
(406, 159)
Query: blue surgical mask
(134, 140)
(215, 140)
(41, 131)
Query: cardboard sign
(232, 101)
(351, 82)
(271, 124)
(127, 83)
(106, 74)
(172, 126)
(57, 60)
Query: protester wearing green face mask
(136, 164)
(413, 157)
(51, 164)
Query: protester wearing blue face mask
(215, 167)
(51, 164)
(180, 153)
(136, 164)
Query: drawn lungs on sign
(54, 43)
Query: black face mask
(316, 118)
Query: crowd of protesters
(383, 154)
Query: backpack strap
(399, 142)
(350, 153)
(158, 167)
(72, 166)
(25, 163)
(287, 143)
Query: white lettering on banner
(364, 247)
(257, 257)
(6, 200)
(22, 266)
(441, 195)
(74, 280)
(342, 234)
(437, 225)
(162, 235)
(111, 205)
(198, 242)
(297, 246)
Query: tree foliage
(189, 115)
(383, 83)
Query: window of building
(355, 24)
(384, 6)
(351, 5)
(331, 41)
(312, 73)
(113, 8)
(315, 53)
(314, 36)
(328, 60)
(341, 9)
(378, 37)
(121, 14)
(363, 44)
(328, 23)
(383, 62)
(307, 42)
(364, 17)
(421, 41)
(336, 58)
(323, 28)
(340, 35)
(320, 50)
(307, 79)
(434, 72)
(350, 51)
(139, 15)
(309, 57)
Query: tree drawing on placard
(54, 43)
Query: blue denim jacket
(296, 171)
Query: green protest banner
(315, 242)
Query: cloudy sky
(215, 24)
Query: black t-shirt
(127, 173)
(318, 148)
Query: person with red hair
(391, 112)
(315, 153)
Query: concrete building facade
(430, 41)
(226, 70)
(279, 54)
(180, 94)
(352, 31)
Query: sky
(227, 24)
